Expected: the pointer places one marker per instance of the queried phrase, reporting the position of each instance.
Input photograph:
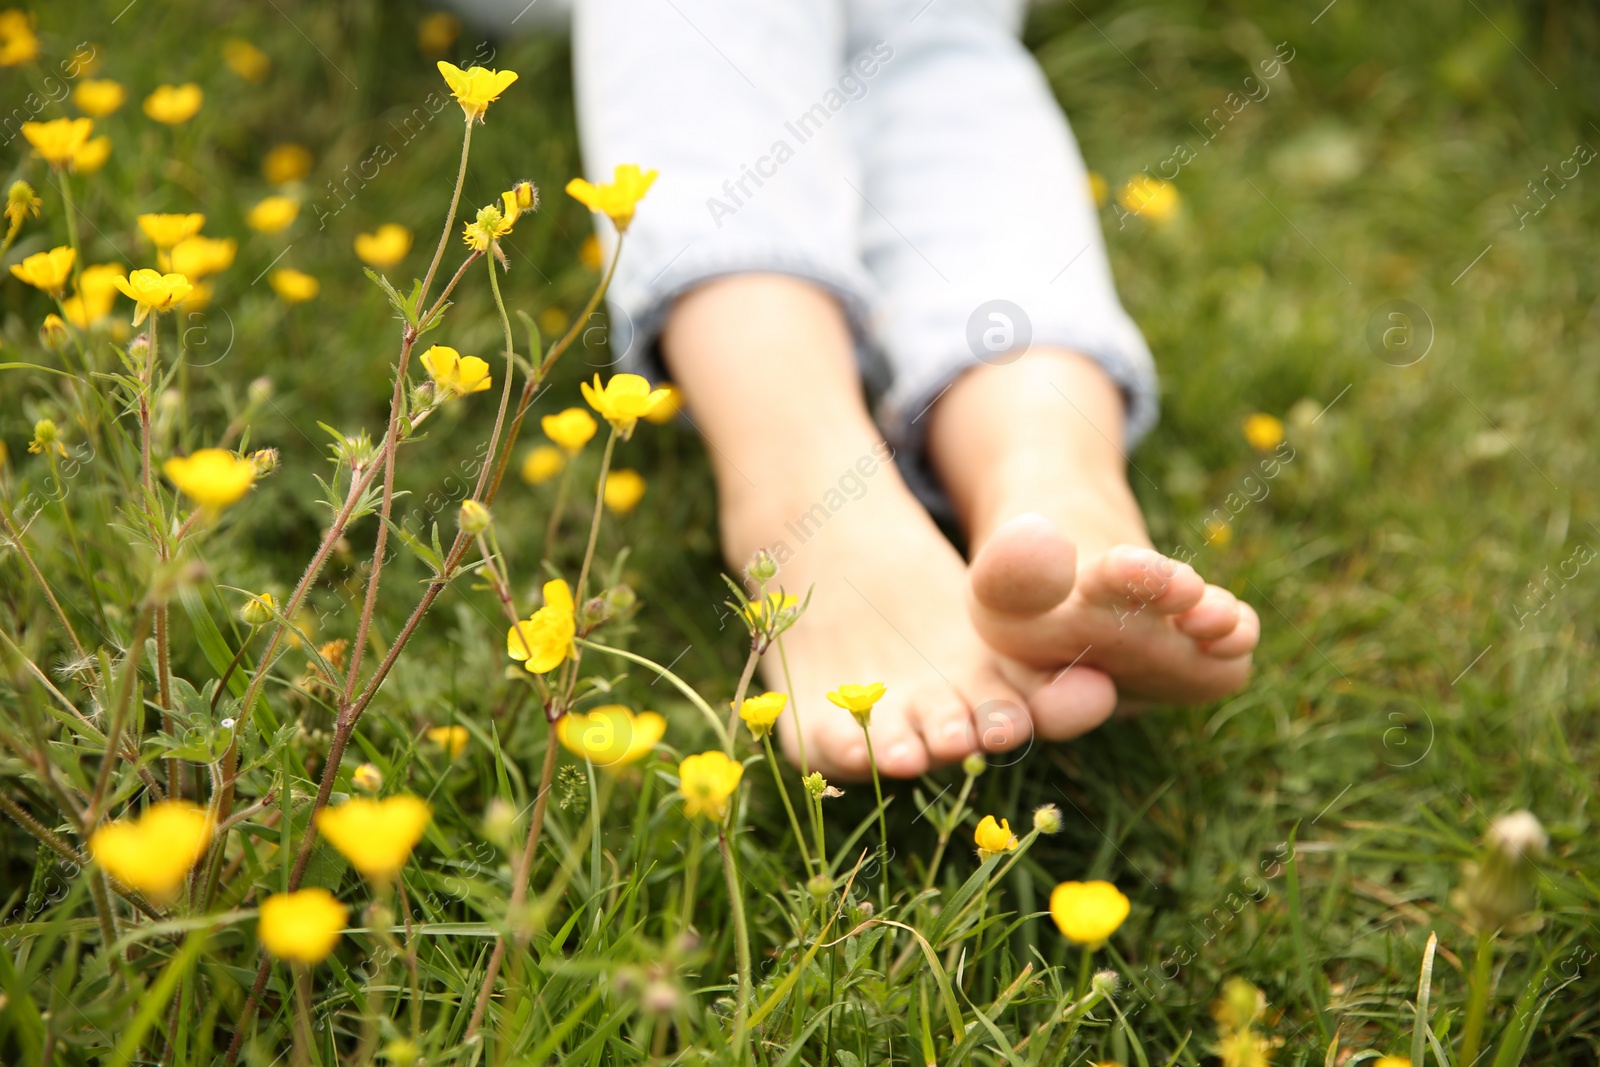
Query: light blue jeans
(906, 155)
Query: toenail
(959, 732)
(900, 754)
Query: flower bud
(20, 203)
(46, 438)
(762, 568)
(500, 822)
(526, 196)
(402, 1053)
(815, 784)
(265, 461)
(259, 390)
(974, 764)
(367, 778)
(53, 333)
(1498, 890)
(474, 518)
(257, 611)
(820, 886)
(660, 998)
(1105, 983)
(1047, 820)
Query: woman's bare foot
(1063, 577)
(768, 371)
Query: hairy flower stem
(450, 216)
(15, 537)
(946, 830)
(738, 696)
(599, 513)
(71, 211)
(883, 826)
(682, 686)
(519, 881)
(741, 939)
(119, 716)
(556, 509)
(788, 806)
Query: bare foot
(1027, 451)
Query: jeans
(905, 155)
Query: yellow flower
(667, 410)
(272, 214)
(1088, 912)
(1218, 532)
(476, 87)
(453, 739)
(18, 43)
(1391, 1061)
(1149, 197)
(99, 97)
(154, 852)
(760, 612)
(58, 140)
(1097, 188)
(455, 374)
(544, 639)
(617, 198)
(92, 156)
(571, 429)
(96, 295)
(301, 927)
(994, 836)
(541, 464)
(199, 256)
(211, 477)
(165, 231)
(376, 836)
(552, 321)
(589, 253)
(153, 291)
(437, 32)
(1244, 1048)
(760, 712)
(491, 224)
(1264, 432)
(21, 205)
(294, 286)
(858, 700)
(612, 735)
(286, 163)
(173, 105)
(245, 59)
(623, 490)
(367, 778)
(53, 332)
(622, 401)
(47, 271)
(707, 781)
(385, 247)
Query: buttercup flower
(455, 374)
(199, 256)
(491, 224)
(571, 429)
(272, 214)
(436, 32)
(18, 43)
(376, 836)
(1218, 532)
(476, 87)
(858, 700)
(257, 611)
(92, 156)
(165, 231)
(1149, 198)
(286, 163)
(541, 464)
(154, 852)
(211, 477)
(1264, 432)
(994, 836)
(707, 781)
(544, 639)
(769, 607)
(367, 778)
(173, 105)
(1088, 912)
(47, 271)
(245, 59)
(760, 712)
(99, 97)
(1240, 1005)
(294, 286)
(302, 927)
(453, 739)
(622, 401)
(1392, 1061)
(385, 247)
(623, 490)
(151, 291)
(474, 518)
(53, 332)
(589, 253)
(21, 205)
(617, 198)
(612, 735)
(668, 407)
(58, 140)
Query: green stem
(450, 216)
(738, 698)
(599, 512)
(1477, 1000)
(72, 230)
(946, 830)
(691, 876)
(788, 806)
(741, 939)
(883, 824)
(557, 508)
(682, 686)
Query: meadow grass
(1420, 557)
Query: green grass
(1426, 665)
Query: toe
(944, 722)
(1216, 616)
(1144, 577)
(896, 745)
(1025, 569)
(1241, 640)
(1002, 722)
(1068, 702)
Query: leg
(974, 192)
